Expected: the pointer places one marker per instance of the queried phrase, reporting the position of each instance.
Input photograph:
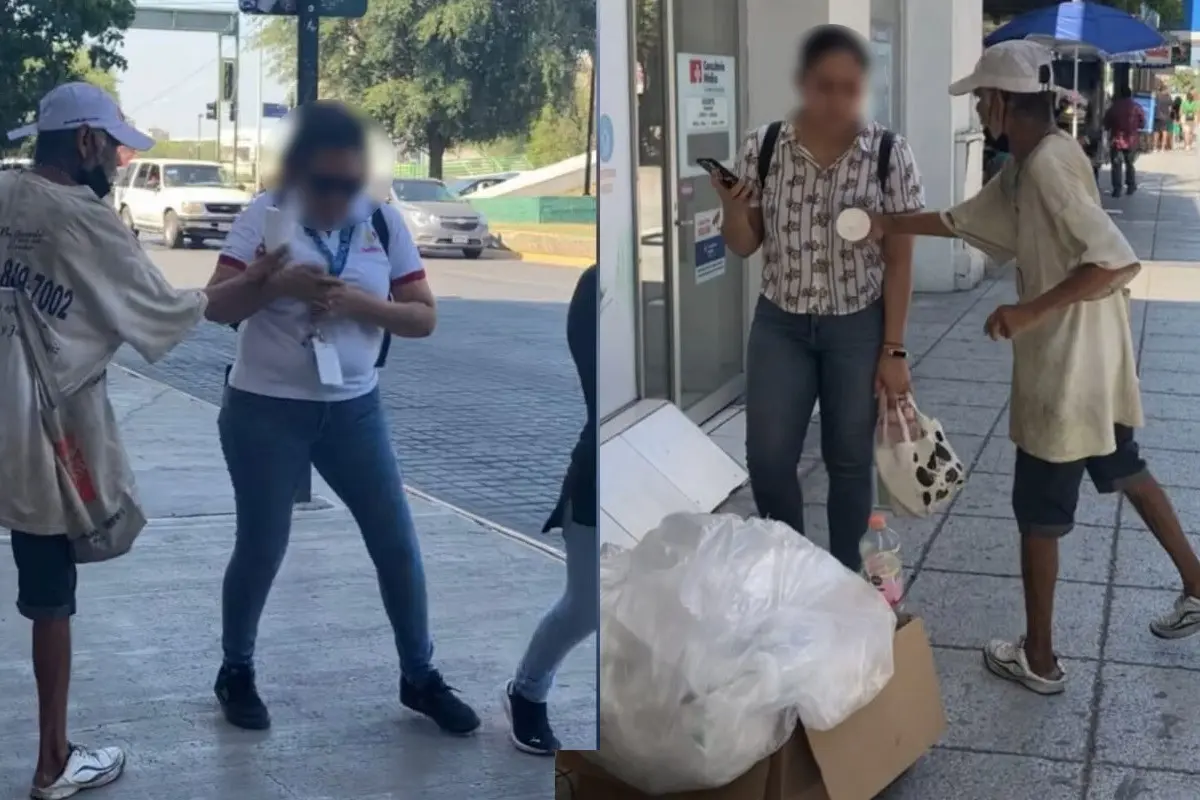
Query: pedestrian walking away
(576, 615)
(1124, 121)
(1165, 117)
(303, 391)
(95, 289)
(830, 321)
(1075, 398)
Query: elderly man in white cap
(1075, 398)
(62, 244)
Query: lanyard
(336, 263)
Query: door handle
(684, 223)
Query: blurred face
(989, 104)
(97, 151)
(330, 183)
(832, 89)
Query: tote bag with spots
(916, 464)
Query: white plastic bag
(715, 633)
(916, 463)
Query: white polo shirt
(273, 357)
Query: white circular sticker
(853, 224)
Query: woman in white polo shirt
(303, 390)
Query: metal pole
(591, 129)
(307, 51)
(258, 101)
(1074, 106)
(307, 75)
(199, 134)
(237, 111)
(220, 80)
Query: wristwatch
(894, 351)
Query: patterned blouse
(807, 267)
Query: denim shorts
(1045, 494)
(46, 576)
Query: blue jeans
(268, 444)
(572, 619)
(791, 361)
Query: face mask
(96, 177)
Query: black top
(579, 486)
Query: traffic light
(210, 111)
(233, 110)
(228, 80)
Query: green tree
(439, 72)
(561, 132)
(82, 69)
(41, 42)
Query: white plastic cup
(853, 224)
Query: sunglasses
(334, 185)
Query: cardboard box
(855, 761)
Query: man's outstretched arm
(928, 223)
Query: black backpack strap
(379, 223)
(887, 142)
(766, 151)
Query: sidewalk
(147, 646)
(1128, 727)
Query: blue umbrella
(1104, 29)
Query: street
(483, 414)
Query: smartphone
(714, 167)
(274, 230)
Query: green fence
(537, 210)
(466, 167)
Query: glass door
(709, 281)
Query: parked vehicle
(466, 186)
(15, 163)
(192, 200)
(440, 221)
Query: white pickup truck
(182, 200)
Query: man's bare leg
(1154, 507)
(52, 671)
(1039, 574)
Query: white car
(182, 200)
(439, 220)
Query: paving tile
(1129, 637)
(1158, 380)
(987, 713)
(968, 610)
(958, 369)
(993, 547)
(1141, 562)
(936, 393)
(947, 774)
(999, 455)
(1149, 717)
(1128, 783)
(1159, 406)
(982, 349)
(1185, 362)
(1186, 502)
(974, 420)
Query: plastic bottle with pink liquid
(882, 565)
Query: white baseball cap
(1020, 66)
(74, 105)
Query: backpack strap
(766, 151)
(379, 223)
(887, 142)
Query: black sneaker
(529, 727)
(239, 698)
(439, 701)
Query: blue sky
(171, 75)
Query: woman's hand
(343, 300)
(737, 198)
(267, 265)
(892, 378)
(306, 282)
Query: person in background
(830, 322)
(117, 297)
(1163, 113)
(576, 615)
(1187, 119)
(304, 391)
(1176, 126)
(1124, 121)
(1075, 399)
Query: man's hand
(341, 301)
(265, 266)
(306, 282)
(878, 226)
(892, 378)
(1008, 321)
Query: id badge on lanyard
(329, 365)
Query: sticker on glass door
(710, 246)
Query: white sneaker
(85, 769)
(1008, 661)
(1182, 620)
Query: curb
(551, 260)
